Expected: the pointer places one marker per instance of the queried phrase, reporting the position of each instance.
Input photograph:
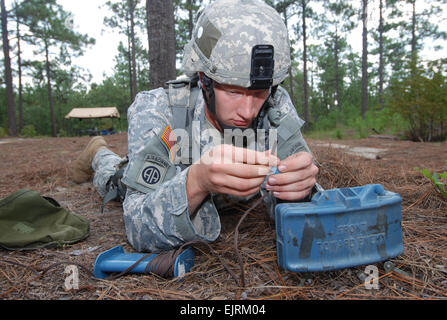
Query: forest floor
(41, 165)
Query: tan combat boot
(81, 169)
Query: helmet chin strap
(211, 103)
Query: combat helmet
(238, 42)
(232, 42)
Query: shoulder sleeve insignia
(153, 172)
(169, 140)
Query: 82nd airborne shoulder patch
(153, 172)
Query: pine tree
(364, 58)
(416, 24)
(307, 14)
(10, 104)
(185, 12)
(391, 51)
(333, 28)
(381, 63)
(46, 21)
(127, 17)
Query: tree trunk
(147, 30)
(132, 5)
(381, 54)
(337, 72)
(413, 31)
(39, 108)
(161, 35)
(10, 105)
(364, 58)
(305, 86)
(413, 41)
(292, 95)
(19, 62)
(50, 93)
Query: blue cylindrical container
(116, 260)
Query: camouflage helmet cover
(223, 38)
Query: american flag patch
(168, 138)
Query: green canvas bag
(31, 221)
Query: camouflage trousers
(105, 164)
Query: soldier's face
(237, 106)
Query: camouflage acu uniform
(157, 218)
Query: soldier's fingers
(237, 193)
(292, 196)
(293, 187)
(243, 170)
(293, 177)
(236, 183)
(265, 158)
(233, 154)
(296, 162)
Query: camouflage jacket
(156, 205)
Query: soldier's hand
(296, 178)
(227, 169)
